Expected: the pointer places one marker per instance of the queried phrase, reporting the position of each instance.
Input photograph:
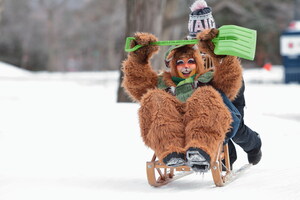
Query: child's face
(186, 67)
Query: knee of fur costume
(207, 120)
(161, 123)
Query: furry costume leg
(207, 120)
(161, 123)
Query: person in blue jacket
(201, 18)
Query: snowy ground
(63, 136)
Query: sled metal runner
(159, 174)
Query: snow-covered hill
(63, 136)
(10, 71)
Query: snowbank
(61, 139)
(261, 75)
(7, 70)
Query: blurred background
(63, 134)
(89, 35)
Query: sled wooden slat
(226, 157)
(164, 173)
(167, 174)
(161, 175)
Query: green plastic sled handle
(231, 40)
(159, 43)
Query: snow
(63, 136)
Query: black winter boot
(174, 159)
(254, 155)
(198, 159)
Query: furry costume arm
(228, 71)
(138, 73)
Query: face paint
(186, 67)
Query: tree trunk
(297, 10)
(1, 9)
(52, 58)
(141, 16)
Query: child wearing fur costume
(182, 116)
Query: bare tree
(141, 16)
(13, 30)
(297, 10)
(51, 34)
(1, 8)
(51, 9)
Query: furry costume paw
(206, 45)
(198, 160)
(144, 53)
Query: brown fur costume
(169, 125)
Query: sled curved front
(159, 174)
(221, 172)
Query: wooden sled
(159, 174)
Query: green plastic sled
(231, 40)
